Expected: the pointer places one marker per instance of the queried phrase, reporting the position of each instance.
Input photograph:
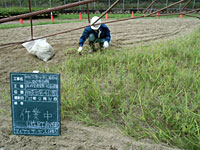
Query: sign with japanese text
(35, 103)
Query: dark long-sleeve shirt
(104, 33)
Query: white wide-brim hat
(94, 19)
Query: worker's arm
(84, 36)
(108, 37)
(82, 39)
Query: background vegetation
(16, 11)
(105, 3)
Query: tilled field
(125, 33)
(76, 136)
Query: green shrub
(13, 11)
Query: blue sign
(35, 103)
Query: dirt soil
(75, 136)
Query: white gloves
(105, 44)
(80, 49)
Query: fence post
(79, 6)
(64, 2)
(180, 6)
(5, 3)
(152, 6)
(94, 5)
(20, 3)
(167, 4)
(50, 3)
(35, 3)
(109, 3)
(138, 3)
(193, 4)
(123, 5)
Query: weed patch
(149, 92)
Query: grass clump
(149, 91)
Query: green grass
(13, 11)
(85, 16)
(4, 99)
(7, 26)
(75, 18)
(114, 16)
(149, 91)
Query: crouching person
(97, 33)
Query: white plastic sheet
(40, 48)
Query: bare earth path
(76, 136)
